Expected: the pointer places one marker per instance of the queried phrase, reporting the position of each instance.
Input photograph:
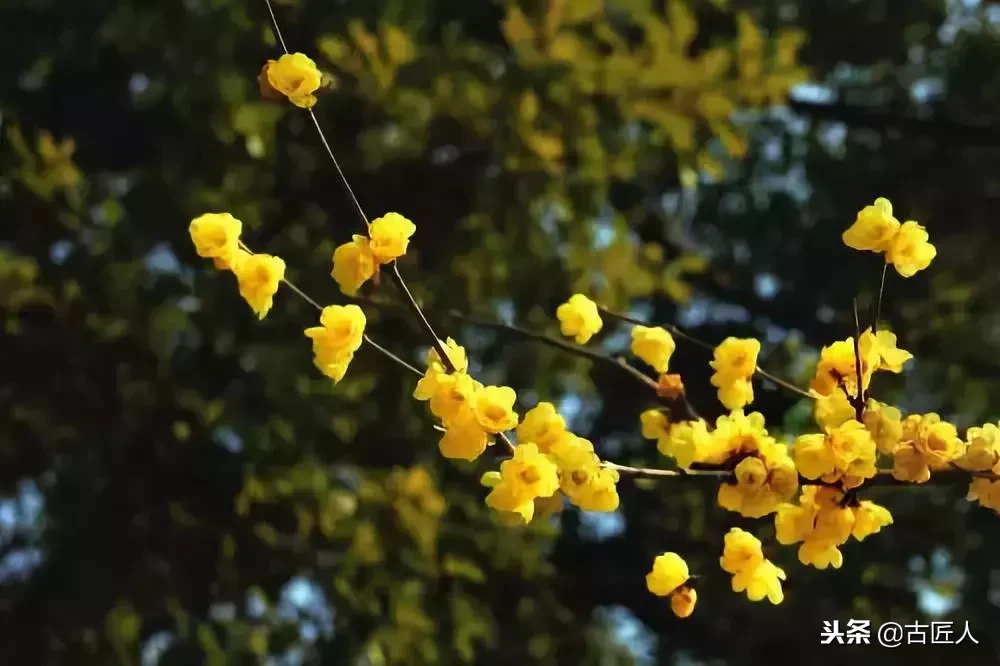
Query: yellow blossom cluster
(668, 578)
(579, 319)
(469, 411)
(821, 523)
(356, 261)
(764, 475)
(837, 367)
(844, 454)
(983, 455)
(216, 236)
(926, 444)
(743, 557)
(734, 362)
(906, 246)
(523, 478)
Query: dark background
(180, 486)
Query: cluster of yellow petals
(667, 578)
(523, 478)
(356, 261)
(734, 362)
(845, 454)
(764, 476)
(761, 483)
(295, 76)
(579, 318)
(906, 246)
(216, 236)
(926, 444)
(752, 572)
(837, 367)
(654, 345)
(582, 478)
(469, 411)
(339, 335)
(982, 454)
(821, 524)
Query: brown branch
(674, 330)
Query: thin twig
(859, 399)
(274, 22)
(674, 330)
(881, 289)
(652, 472)
(346, 185)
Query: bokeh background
(178, 485)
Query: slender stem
(414, 370)
(859, 399)
(340, 172)
(704, 345)
(274, 23)
(506, 440)
(785, 384)
(881, 290)
(346, 185)
(652, 472)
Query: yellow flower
(454, 396)
(927, 444)
(734, 394)
(654, 345)
(983, 452)
(837, 367)
(655, 424)
(986, 492)
(874, 228)
(296, 77)
(869, 518)
(735, 358)
(845, 453)
(340, 333)
(353, 265)
(683, 600)
(542, 425)
(436, 371)
(741, 551)
(495, 409)
(335, 340)
(216, 236)
(390, 236)
(832, 410)
(885, 425)
(758, 577)
(761, 485)
(669, 572)
(579, 318)
(464, 439)
(736, 434)
(734, 362)
(583, 479)
(890, 357)
(821, 524)
(689, 441)
(259, 276)
(910, 251)
(527, 475)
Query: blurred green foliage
(183, 488)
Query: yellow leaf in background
(734, 144)
(516, 27)
(399, 47)
(549, 147)
(578, 11)
(527, 110)
(459, 567)
(787, 46)
(715, 105)
(682, 23)
(566, 47)
(365, 41)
